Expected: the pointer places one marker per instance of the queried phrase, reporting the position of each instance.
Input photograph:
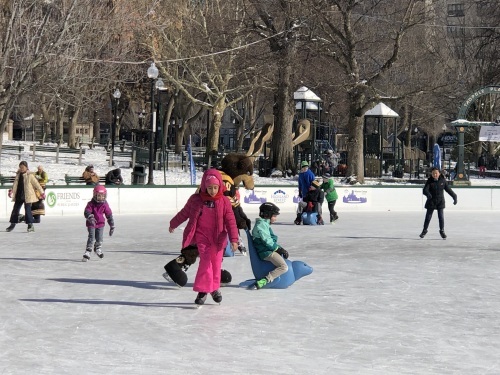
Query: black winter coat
(316, 197)
(434, 191)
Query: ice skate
(10, 227)
(216, 296)
(201, 298)
(86, 256)
(259, 284)
(31, 228)
(424, 232)
(443, 235)
(242, 249)
(98, 252)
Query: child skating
(330, 195)
(210, 222)
(266, 244)
(96, 213)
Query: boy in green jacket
(331, 196)
(266, 245)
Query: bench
(79, 180)
(67, 152)
(17, 150)
(7, 180)
(129, 155)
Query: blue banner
(436, 157)
(192, 168)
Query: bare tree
(365, 53)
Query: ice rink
(380, 301)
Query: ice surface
(380, 301)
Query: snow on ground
(174, 176)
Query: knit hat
(212, 180)
(315, 184)
(305, 163)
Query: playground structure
(258, 145)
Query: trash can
(265, 167)
(139, 175)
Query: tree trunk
(72, 141)
(213, 135)
(282, 155)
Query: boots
(298, 220)
(216, 296)
(424, 232)
(11, 227)
(200, 298)
(443, 235)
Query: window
(455, 31)
(455, 10)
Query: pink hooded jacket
(225, 223)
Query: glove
(10, 193)
(111, 231)
(42, 196)
(249, 224)
(91, 220)
(455, 201)
(282, 252)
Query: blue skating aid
(260, 268)
(227, 251)
(310, 218)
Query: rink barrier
(168, 199)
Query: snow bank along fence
(61, 152)
(71, 200)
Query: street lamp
(153, 75)
(116, 95)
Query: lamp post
(160, 86)
(116, 95)
(153, 75)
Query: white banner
(489, 134)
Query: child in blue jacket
(266, 245)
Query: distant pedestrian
(481, 163)
(434, 190)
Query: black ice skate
(424, 232)
(201, 298)
(216, 296)
(443, 235)
(10, 227)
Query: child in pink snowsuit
(211, 220)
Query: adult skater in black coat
(434, 190)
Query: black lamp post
(153, 75)
(116, 95)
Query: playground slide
(260, 139)
(302, 133)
